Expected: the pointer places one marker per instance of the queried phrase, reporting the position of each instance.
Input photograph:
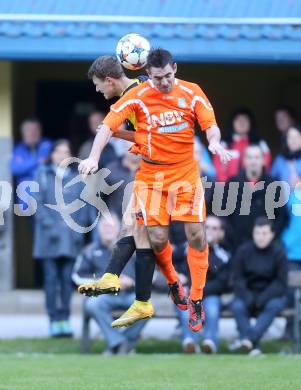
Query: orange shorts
(165, 193)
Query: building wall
(6, 253)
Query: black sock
(122, 252)
(145, 267)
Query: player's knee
(197, 240)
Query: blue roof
(194, 30)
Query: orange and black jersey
(131, 121)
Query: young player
(110, 80)
(166, 109)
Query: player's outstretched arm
(214, 139)
(90, 164)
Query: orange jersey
(165, 122)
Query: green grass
(40, 364)
(85, 372)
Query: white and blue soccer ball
(132, 51)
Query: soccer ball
(132, 51)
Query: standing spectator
(287, 167)
(242, 133)
(259, 283)
(55, 243)
(285, 118)
(31, 151)
(93, 260)
(122, 170)
(249, 205)
(94, 120)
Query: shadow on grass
(149, 346)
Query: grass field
(40, 364)
(157, 371)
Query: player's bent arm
(102, 137)
(214, 139)
(126, 135)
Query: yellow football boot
(137, 311)
(107, 284)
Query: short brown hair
(105, 66)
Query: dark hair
(105, 66)
(253, 136)
(159, 58)
(59, 142)
(288, 109)
(31, 119)
(263, 221)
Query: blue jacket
(291, 236)
(281, 167)
(25, 161)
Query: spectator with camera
(259, 284)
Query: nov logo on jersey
(167, 118)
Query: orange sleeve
(203, 109)
(120, 111)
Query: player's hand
(216, 148)
(89, 165)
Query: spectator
(94, 259)
(242, 133)
(122, 170)
(55, 243)
(287, 167)
(108, 154)
(216, 284)
(285, 118)
(259, 283)
(29, 153)
(250, 201)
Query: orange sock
(198, 265)
(164, 262)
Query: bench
(164, 310)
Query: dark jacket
(53, 237)
(242, 225)
(259, 275)
(93, 260)
(217, 280)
